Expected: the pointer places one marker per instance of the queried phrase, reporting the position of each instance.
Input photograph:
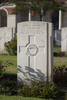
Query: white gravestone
(64, 39)
(58, 37)
(34, 52)
(6, 34)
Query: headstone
(58, 37)
(34, 52)
(64, 39)
(6, 34)
(0, 20)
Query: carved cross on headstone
(31, 50)
(5, 37)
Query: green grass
(60, 61)
(56, 49)
(12, 67)
(3, 97)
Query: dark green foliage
(2, 68)
(11, 47)
(1, 1)
(8, 87)
(40, 90)
(37, 5)
(60, 54)
(23, 6)
(60, 76)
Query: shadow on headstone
(30, 75)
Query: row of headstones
(34, 50)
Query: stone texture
(34, 52)
(6, 34)
(64, 39)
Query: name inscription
(31, 30)
(31, 26)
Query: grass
(60, 61)
(3, 97)
(12, 66)
(56, 49)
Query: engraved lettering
(31, 29)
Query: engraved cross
(31, 50)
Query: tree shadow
(28, 75)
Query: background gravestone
(64, 40)
(58, 37)
(34, 52)
(6, 34)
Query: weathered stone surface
(34, 52)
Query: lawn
(60, 61)
(11, 65)
(56, 48)
(3, 97)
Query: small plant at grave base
(2, 68)
(60, 75)
(11, 46)
(41, 90)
